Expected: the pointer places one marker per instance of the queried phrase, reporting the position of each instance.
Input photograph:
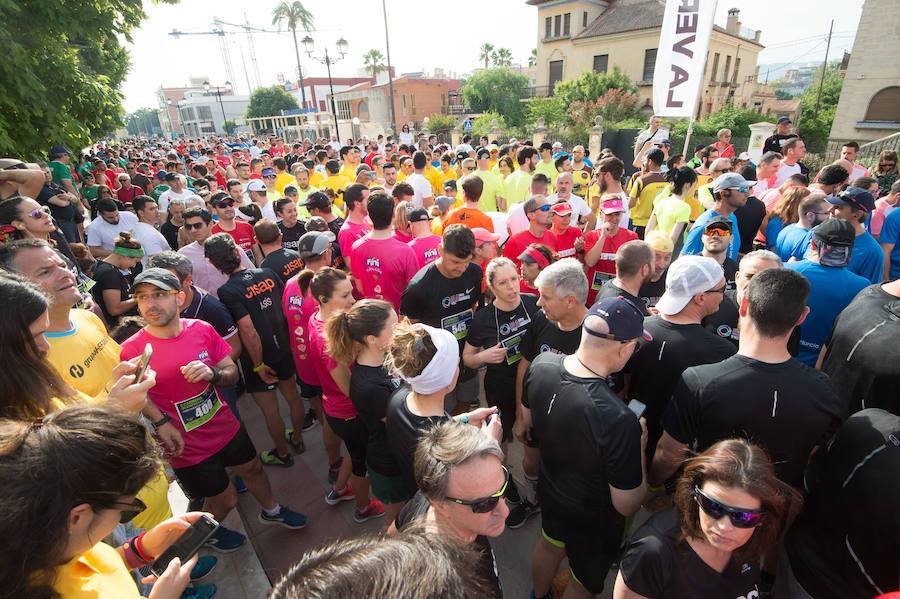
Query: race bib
(458, 324)
(197, 411)
(511, 344)
(599, 278)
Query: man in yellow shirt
(517, 186)
(350, 158)
(335, 181)
(433, 175)
(317, 174)
(645, 189)
(282, 176)
(406, 168)
(492, 193)
(546, 164)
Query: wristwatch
(216, 375)
(165, 418)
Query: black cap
(462, 155)
(450, 184)
(483, 154)
(317, 200)
(857, 197)
(160, 277)
(623, 322)
(835, 231)
(783, 119)
(170, 176)
(418, 215)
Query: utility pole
(824, 68)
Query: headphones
(324, 300)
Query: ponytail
(346, 332)
(681, 178)
(304, 279)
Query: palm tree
(502, 57)
(294, 15)
(532, 59)
(485, 53)
(374, 62)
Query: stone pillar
(595, 139)
(759, 132)
(495, 132)
(540, 133)
(456, 135)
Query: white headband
(440, 371)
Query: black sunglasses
(487, 504)
(740, 518)
(129, 510)
(197, 226)
(721, 289)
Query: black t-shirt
(847, 538)
(256, 292)
(589, 440)
(863, 355)
(610, 289)
(417, 507)
(656, 368)
(403, 429)
(207, 308)
(724, 323)
(787, 409)
(284, 263)
(141, 181)
(749, 217)
(170, 232)
(652, 291)
(337, 259)
(107, 276)
(545, 336)
(659, 562)
(492, 325)
(449, 304)
(290, 238)
(773, 142)
(370, 390)
(50, 190)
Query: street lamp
(308, 46)
(207, 87)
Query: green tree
(229, 126)
(294, 15)
(61, 72)
(143, 122)
(502, 58)
(551, 109)
(815, 129)
(270, 101)
(497, 90)
(532, 58)
(482, 125)
(484, 53)
(441, 123)
(591, 85)
(374, 62)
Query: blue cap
(161, 175)
(268, 172)
(857, 197)
(57, 150)
(623, 321)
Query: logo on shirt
(515, 325)
(203, 356)
(725, 331)
(373, 263)
(431, 253)
(259, 288)
(454, 299)
(546, 348)
(76, 371)
(295, 301)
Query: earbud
(324, 300)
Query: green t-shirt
(671, 210)
(515, 188)
(547, 168)
(158, 191)
(493, 187)
(60, 172)
(90, 191)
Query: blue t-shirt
(773, 228)
(867, 259)
(209, 309)
(693, 244)
(831, 289)
(890, 233)
(792, 241)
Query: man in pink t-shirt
(600, 246)
(425, 243)
(355, 197)
(193, 423)
(537, 210)
(382, 265)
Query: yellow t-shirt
(282, 180)
(516, 188)
(493, 187)
(644, 190)
(450, 174)
(349, 172)
(435, 177)
(100, 572)
(547, 168)
(85, 355)
(401, 176)
(336, 183)
(315, 178)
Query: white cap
(744, 156)
(688, 276)
(256, 185)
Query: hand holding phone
(189, 543)
(141, 371)
(637, 407)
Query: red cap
(562, 209)
(482, 235)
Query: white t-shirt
(515, 218)
(103, 234)
(255, 152)
(579, 206)
(858, 171)
(784, 173)
(406, 137)
(169, 195)
(421, 189)
(761, 187)
(151, 240)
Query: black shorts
(284, 369)
(308, 390)
(592, 544)
(353, 433)
(209, 478)
(500, 392)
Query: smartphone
(187, 544)
(141, 371)
(637, 407)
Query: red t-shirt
(127, 196)
(565, 243)
(605, 268)
(197, 410)
(334, 402)
(516, 244)
(243, 236)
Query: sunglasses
(39, 213)
(725, 170)
(717, 232)
(887, 164)
(129, 510)
(487, 504)
(197, 226)
(544, 208)
(740, 518)
(721, 289)
(270, 177)
(143, 297)
(224, 204)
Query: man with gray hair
(719, 167)
(461, 478)
(556, 328)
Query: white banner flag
(683, 43)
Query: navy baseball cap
(622, 321)
(857, 197)
(58, 150)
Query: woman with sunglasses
(405, 136)
(886, 172)
(112, 284)
(729, 510)
(69, 479)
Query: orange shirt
(471, 217)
